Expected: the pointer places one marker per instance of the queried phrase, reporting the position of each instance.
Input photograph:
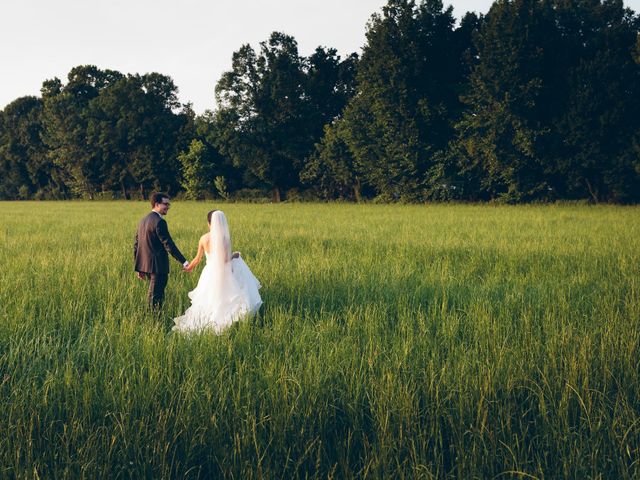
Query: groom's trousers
(157, 284)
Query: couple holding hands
(227, 290)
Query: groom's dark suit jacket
(153, 243)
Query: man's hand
(141, 276)
(235, 255)
(186, 267)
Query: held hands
(141, 276)
(191, 265)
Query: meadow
(427, 341)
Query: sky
(192, 41)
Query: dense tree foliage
(101, 132)
(536, 100)
(552, 103)
(330, 170)
(25, 168)
(409, 78)
(273, 106)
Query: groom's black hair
(209, 216)
(157, 197)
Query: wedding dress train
(227, 290)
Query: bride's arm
(193, 263)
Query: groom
(150, 249)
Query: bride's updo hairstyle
(209, 216)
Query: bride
(227, 290)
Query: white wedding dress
(227, 291)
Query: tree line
(536, 100)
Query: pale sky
(192, 41)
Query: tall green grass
(395, 342)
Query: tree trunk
(592, 192)
(275, 195)
(124, 190)
(142, 192)
(356, 191)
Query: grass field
(409, 342)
